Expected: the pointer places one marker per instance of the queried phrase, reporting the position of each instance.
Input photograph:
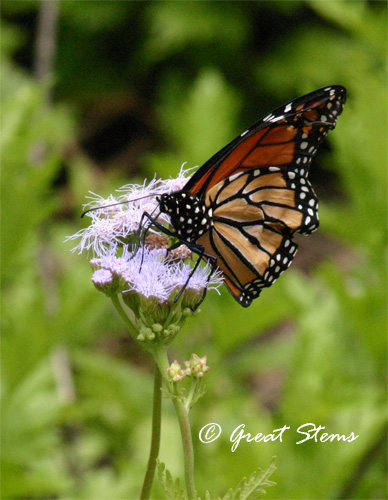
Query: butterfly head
(188, 214)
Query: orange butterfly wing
(259, 194)
(244, 204)
(254, 215)
(288, 137)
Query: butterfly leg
(143, 230)
(213, 269)
(155, 223)
(141, 233)
(200, 251)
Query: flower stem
(155, 436)
(161, 359)
(190, 395)
(120, 310)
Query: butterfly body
(243, 205)
(188, 213)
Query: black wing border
(223, 153)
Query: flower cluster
(130, 259)
(195, 367)
(113, 219)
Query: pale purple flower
(100, 237)
(146, 272)
(110, 225)
(198, 280)
(172, 185)
(102, 277)
(116, 265)
(149, 274)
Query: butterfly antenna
(115, 204)
(141, 232)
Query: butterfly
(240, 209)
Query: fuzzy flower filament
(158, 286)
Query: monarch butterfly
(241, 208)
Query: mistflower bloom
(102, 278)
(154, 289)
(148, 275)
(130, 259)
(113, 219)
(149, 283)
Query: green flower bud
(175, 372)
(196, 366)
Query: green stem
(161, 359)
(120, 310)
(160, 356)
(191, 393)
(155, 436)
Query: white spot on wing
(268, 117)
(234, 176)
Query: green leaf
(172, 489)
(252, 487)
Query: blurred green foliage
(138, 88)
